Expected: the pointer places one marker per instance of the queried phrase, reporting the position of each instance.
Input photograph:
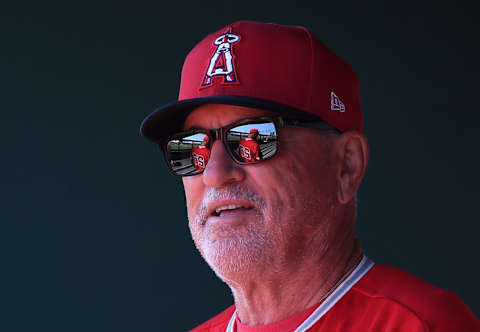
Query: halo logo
(221, 62)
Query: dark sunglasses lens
(253, 142)
(188, 155)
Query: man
(201, 154)
(280, 230)
(249, 148)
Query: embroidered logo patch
(335, 103)
(222, 61)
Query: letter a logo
(221, 62)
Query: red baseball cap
(253, 130)
(279, 68)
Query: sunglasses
(248, 141)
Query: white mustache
(233, 193)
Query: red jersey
(382, 299)
(200, 156)
(249, 149)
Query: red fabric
(249, 149)
(283, 64)
(200, 156)
(386, 299)
(288, 324)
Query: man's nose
(221, 169)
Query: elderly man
(279, 229)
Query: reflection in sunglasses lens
(248, 143)
(188, 155)
(252, 142)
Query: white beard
(240, 250)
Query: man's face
(252, 217)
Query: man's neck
(265, 299)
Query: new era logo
(335, 103)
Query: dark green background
(93, 229)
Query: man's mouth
(223, 209)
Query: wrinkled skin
(291, 199)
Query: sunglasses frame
(221, 133)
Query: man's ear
(352, 151)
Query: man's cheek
(189, 198)
(191, 212)
(194, 205)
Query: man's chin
(229, 257)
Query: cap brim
(168, 119)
